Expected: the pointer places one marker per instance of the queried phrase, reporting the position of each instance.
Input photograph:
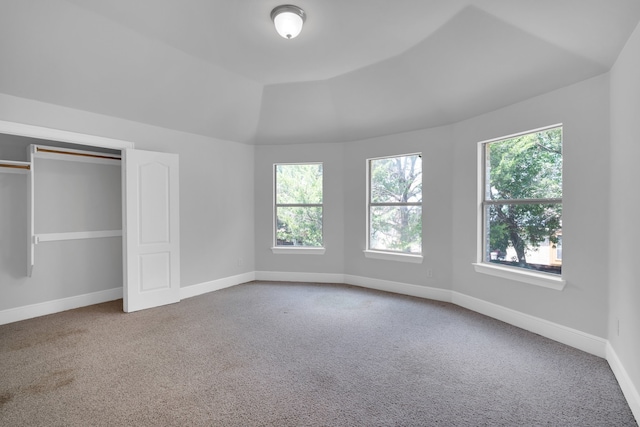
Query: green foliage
(524, 167)
(299, 185)
(396, 180)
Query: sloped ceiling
(360, 68)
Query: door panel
(151, 224)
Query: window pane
(299, 226)
(396, 228)
(299, 184)
(525, 167)
(396, 179)
(524, 236)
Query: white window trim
(393, 256)
(297, 250)
(378, 254)
(521, 275)
(546, 280)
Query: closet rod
(3, 165)
(46, 150)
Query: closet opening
(83, 220)
(60, 220)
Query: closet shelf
(75, 235)
(51, 153)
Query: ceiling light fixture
(288, 20)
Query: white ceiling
(360, 68)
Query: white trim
(480, 180)
(276, 249)
(291, 276)
(50, 134)
(298, 250)
(626, 384)
(368, 208)
(572, 337)
(55, 306)
(393, 256)
(399, 288)
(215, 285)
(521, 275)
(563, 334)
(76, 235)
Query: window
(522, 201)
(395, 204)
(298, 205)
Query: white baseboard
(571, 337)
(55, 306)
(563, 334)
(215, 285)
(291, 276)
(399, 288)
(628, 388)
(49, 307)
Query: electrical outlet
(240, 261)
(429, 273)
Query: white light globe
(288, 24)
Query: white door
(151, 238)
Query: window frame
(389, 255)
(287, 249)
(547, 280)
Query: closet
(72, 195)
(84, 217)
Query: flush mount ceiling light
(288, 20)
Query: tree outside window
(522, 204)
(395, 204)
(298, 205)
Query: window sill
(391, 256)
(297, 250)
(532, 278)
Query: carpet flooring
(297, 354)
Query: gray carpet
(287, 354)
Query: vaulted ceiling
(360, 68)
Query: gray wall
(624, 225)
